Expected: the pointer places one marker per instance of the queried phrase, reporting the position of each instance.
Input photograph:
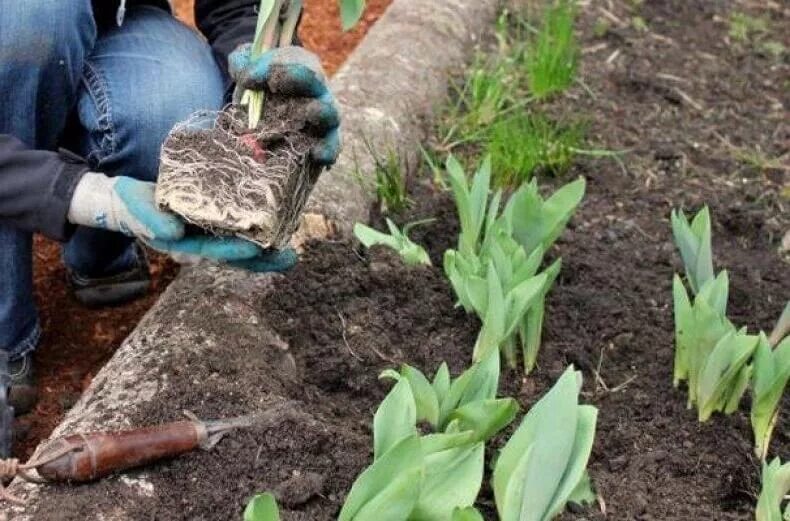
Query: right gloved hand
(126, 205)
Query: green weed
(524, 144)
(389, 182)
(553, 54)
(758, 160)
(744, 27)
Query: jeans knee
(50, 35)
(150, 118)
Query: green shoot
(390, 182)
(776, 485)
(484, 96)
(421, 477)
(471, 201)
(350, 12)
(773, 49)
(467, 403)
(782, 327)
(523, 145)
(770, 376)
(262, 507)
(639, 24)
(412, 253)
(267, 34)
(694, 242)
(494, 270)
(553, 54)
(709, 352)
(744, 27)
(543, 465)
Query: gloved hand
(126, 205)
(192, 250)
(293, 71)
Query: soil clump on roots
(231, 180)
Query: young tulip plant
(709, 352)
(437, 476)
(494, 271)
(543, 465)
(412, 253)
(716, 359)
(427, 477)
(769, 379)
(775, 488)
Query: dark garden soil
(679, 97)
(77, 341)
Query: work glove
(126, 205)
(293, 71)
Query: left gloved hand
(230, 251)
(293, 71)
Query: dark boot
(23, 393)
(114, 289)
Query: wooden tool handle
(85, 457)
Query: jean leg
(43, 44)
(142, 79)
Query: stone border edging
(386, 90)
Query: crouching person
(89, 90)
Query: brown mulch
(78, 341)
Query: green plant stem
(289, 25)
(266, 35)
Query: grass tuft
(744, 27)
(389, 180)
(553, 55)
(524, 145)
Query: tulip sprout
(412, 253)
(709, 352)
(770, 376)
(716, 359)
(776, 486)
(494, 269)
(543, 465)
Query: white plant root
(217, 184)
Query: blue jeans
(110, 94)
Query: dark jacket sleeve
(36, 188)
(226, 24)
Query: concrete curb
(389, 85)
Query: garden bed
(674, 97)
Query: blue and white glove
(126, 205)
(294, 71)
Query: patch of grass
(553, 54)
(602, 27)
(773, 49)
(744, 27)
(389, 181)
(523, 145)
(479, 99)
(758, 160)
(639, 24)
